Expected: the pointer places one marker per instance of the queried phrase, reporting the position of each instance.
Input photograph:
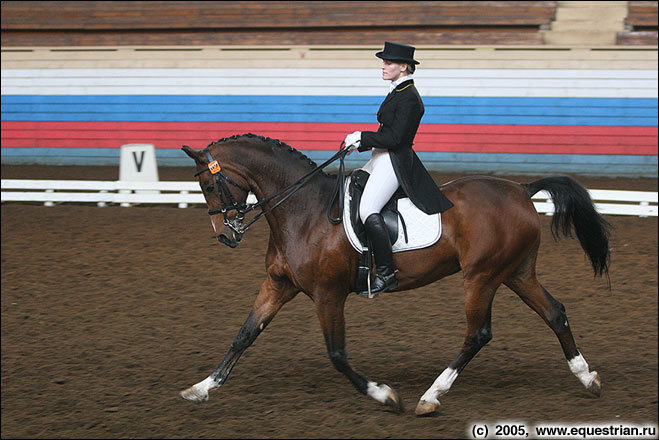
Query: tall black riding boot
(385, 277)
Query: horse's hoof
(394, 401)
(595, 386)
(385, 395)
(193, 394)
(425, 408)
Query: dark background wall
(80, 23)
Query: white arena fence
(183, 194)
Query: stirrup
(370, 294)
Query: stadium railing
(183, 194)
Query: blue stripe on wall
(521, 164)
(339, 109)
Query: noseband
(228, 203)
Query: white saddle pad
(423, 230)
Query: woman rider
(393, 162)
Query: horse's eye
(209, 189)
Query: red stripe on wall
(328, 136)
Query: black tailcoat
(399, 117)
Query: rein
(228, 202)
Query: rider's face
(391, 71)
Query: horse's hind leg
(479, 333)
(525, 284)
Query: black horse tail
(574, 207)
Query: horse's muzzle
(232, 241)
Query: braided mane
(283, 146)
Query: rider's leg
(381, 185)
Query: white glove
(353, 140)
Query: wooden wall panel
(642, 14)
(265, 37)
(95, 23)
(642, 18)
(128, 15)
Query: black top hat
(397, 52)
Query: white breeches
(382, 184)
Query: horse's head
(225, 191)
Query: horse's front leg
(274, 293)
(330, 311)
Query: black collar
(405, 84)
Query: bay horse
(491, 234)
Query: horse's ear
(194, 154)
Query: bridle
(228, 203)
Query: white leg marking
(441, 386)
(207, 384)
(199, 391)
(579, 368)
(379, 392)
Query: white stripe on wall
(328, 82)
(349, 73)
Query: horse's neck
(309, 201)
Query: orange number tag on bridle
(214, 167)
